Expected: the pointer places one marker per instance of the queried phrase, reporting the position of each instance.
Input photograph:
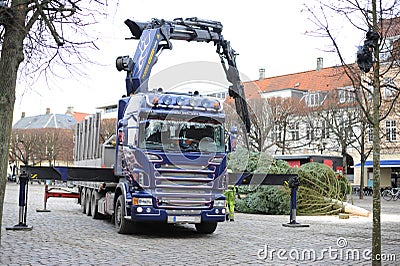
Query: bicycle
(391, 194)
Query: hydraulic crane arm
(154, 36)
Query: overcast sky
(266, 34)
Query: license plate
(184, 219)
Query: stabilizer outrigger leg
(293, 185)
(23, 206)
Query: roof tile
(326, 79)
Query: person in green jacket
(230, 203)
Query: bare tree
(23, 145)
(261, 124)
(56, 145)
(107, 129)
(232, 120)
(287, 115)
(37, 33)
(380, 53)
(363, 135)
(34, 146)
(339, 117)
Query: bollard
(23, 204)
(293, 185)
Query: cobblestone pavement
(65, 236)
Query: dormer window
(345, 95)
(313, 99)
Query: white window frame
(310, 132)
(294, 130)
(391, 131)
(277, 133)
(313, 99)
(325, 130)
(370, 133)
(342, 96)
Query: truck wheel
(83, 200)
(93, 206)
(123, 225)
(206, 227)
(88, 198)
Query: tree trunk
(362, 174)
(284, 138)
(11, 57)
(376, 202)
(344, 154)
(362, 153)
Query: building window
(277, 133)
(389, 93)
(220, 95)
(345, 96)
(385, 53)
(391, 134)
(342, 96)
(111, 109)
(310, 133)
(295, 131)
(313, 99)
(324, 130)
(370, 133)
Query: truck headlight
(142, 201)
(153, 157)
(219, 203)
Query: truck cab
(171, 149)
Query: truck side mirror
(121, 131)
(122, 123)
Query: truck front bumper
(150, 214)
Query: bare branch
(49, 24)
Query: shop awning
(383, 164)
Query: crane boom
(154, 36)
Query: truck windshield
(185, 136)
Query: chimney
(261, 74)
(23, 115)
(70, 110)
(47, 111)
(320, 63)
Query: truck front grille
(184, 188)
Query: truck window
(132, 132)
(185, 136)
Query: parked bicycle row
(367, 191)
(391, 194)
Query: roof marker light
(206, 103)
(180, 100)
(193, 101)
(155, 100)
(167, 99)
(217, 105)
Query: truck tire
(206, 227)
(93, 206)
(123, 225)
(88, 197)
(83, 200)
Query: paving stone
(65, 236)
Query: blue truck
(167, 161)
